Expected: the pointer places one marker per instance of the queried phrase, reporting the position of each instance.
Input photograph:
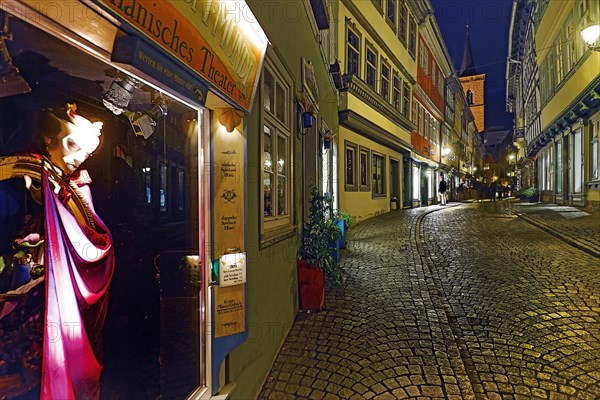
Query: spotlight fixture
(11, 81)
(144, 123)
(120, 93)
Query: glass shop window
(153, 343)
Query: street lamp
(591, 36)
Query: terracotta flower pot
(311, 282)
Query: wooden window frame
(383, 80)
(369, 48)
(351, 28)
(275, 227)
(353, 186)
(397, 91)
(382, 157)
(412, 37)
(403, 22)
(364, 171)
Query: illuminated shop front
(172, 83)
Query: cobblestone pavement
(580, 227)
(466, 302)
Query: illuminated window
(276, 151)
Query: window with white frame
(371, 68)
(577, 162)
(352, 52)
(276, 150)
(559, 167)
(378, 171)
(385, 81)
(558, 59)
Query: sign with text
(232, 269)
(230, 310)
(220, 40)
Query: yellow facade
(372, 122)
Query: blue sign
(135, 52)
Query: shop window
(162, 187)
(132, 190)
(371, 68)
(277, 216)
(378, 171)
(180, 190)
(147, 184)
(577, 162)
(365, 169)
(353, 53)
(559, 167)
(350, 155)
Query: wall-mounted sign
(230, 310)
(232, 269)
(220, 40)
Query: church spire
(467, 66)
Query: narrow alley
(469, 301)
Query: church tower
(473, 85)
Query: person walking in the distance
(442, 190)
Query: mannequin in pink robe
(79, 266)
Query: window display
(106, 282)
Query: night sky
(488, 22)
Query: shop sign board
(220, 40)
(232, 269)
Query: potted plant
(344, 221)
(316, 265)
(532, 194)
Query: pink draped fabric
(79, 267)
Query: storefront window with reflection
(144, 175)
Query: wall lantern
(327, 136)
(307, 119)
(591, 36)
(446, 151)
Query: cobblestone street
(470, 301)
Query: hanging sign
(220, 40)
